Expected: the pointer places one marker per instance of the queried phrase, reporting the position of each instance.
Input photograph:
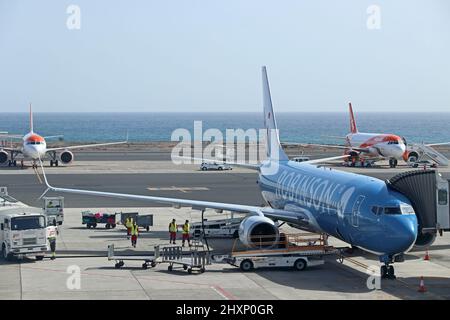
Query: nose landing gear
(388, 272)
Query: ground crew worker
(134, 234)
(186, 230)
(128, 225)
(173, 231)
(52, 233)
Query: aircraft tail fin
(274, 150)
(353, 127)
(31, 119)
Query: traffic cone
(422, 286)
(427, 256)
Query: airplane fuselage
(34, 146)
(357, 209)
(388, 146)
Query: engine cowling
(425, 240)
(259, 231)
(66, 157)
(412, 157)
(3, 156)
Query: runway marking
(37, 175)
(223, 293)
(181, 189)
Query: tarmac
(83, 250)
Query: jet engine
(412, 157)
(424, 240)
(258, 231)
(3, 156)
(66, 156)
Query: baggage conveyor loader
(297, 251)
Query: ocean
(294, 127)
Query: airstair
(420, 151)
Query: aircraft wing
(86, 146)
(314, 161)
(437, 144)
(276, 214)
(59, 136)
(11, 136)
(18, 150)
(334, 146)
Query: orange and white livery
(34, 147)
(364, 146)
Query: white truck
(23, 229)
(54, 210)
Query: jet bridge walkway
(429, 195)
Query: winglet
(353, 127)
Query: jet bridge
(429, 195)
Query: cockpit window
(377, 210)
(393, 142)
(407, 210)
(392, 210)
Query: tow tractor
(297, 251)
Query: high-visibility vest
(186, 228)
(134, 230)
(172, 227)
(128, 223)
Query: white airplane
(361, 145)
(35, 147)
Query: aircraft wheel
(56, 163)
(383, 272)
(391, 273)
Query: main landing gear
(12, 163)
(393, 163)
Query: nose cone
(399, 151)
(403, 233)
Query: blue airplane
(361, 211)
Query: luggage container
(91, 220)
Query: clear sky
(205, 55)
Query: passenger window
(442, 197)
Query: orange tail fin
(353, 127)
